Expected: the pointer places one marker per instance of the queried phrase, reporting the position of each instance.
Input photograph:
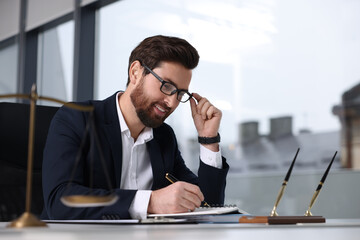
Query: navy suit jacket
(65, 135)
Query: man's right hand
(175, 198)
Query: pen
(317, 191)
(173, 179)
(283, 186)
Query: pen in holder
(275, 219)
(318, 189)
(283, 186)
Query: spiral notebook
(203, 211)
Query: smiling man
(138, 147)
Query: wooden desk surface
(333, 229)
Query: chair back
(14, 134)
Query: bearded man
(137, 147)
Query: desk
(333, 229)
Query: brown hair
(153, 50)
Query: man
(136, 144)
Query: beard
(145, 108)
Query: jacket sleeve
(64, 138)
(211, 180)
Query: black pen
(317, 191)
(283, 186)
(173, 179)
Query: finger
(187, 196)
(194, 190)
(195, 197)
(188, 205)
(180, 187)
(181, 206)
(193, 107)
(210, 112)
(199, 100)
(190, 201)
(204, 110)
(197, 96)
(201, 104)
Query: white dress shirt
(136, 171)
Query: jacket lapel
(157, 164)
(112, 133)
(114, 139)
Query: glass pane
(275, 68)
(55, 63)
(8, 70)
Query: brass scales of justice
(27, 219)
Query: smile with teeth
(160, 108)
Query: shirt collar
(146, 134)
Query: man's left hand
(206, 117)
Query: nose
(171, 101)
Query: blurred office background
(286, 75)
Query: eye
(181, 94)
(169, 88)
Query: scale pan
(89, 200)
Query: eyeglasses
(169, 88)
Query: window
(8, 69)
(275, 68)
(55, 62)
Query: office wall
(9, 18)
(38, 13)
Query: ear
(135, 72)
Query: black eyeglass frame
(163, 82)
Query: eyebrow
(170, 81)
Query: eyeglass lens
(169, 88)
